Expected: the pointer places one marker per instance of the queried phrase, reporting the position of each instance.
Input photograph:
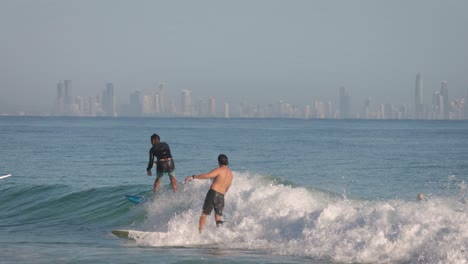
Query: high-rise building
(157, 104)
(67, 92)
(226, 110)
(446, 106)
(59, 100)
(366, 111)
(329, 110)
(212, 106)
(162, 99)
(64, 104)
(457, 109)
(147, 105)
(437, 106)
(135, 106)
(92, 106)
(319, 109)
(403, 112)
(381, 114)
(344, 104)
(387, 111)
(307, 112)
(186, 103)
(108, 100)
(418, 98)
(80, 106)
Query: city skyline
(158, 102)
(264, 51)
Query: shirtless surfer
(222, 179)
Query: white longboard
(161, 237)
(134, 234)
(5, 176)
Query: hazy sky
(262, 50)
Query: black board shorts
(214, 200)
(165, 166)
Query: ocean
(304, 191)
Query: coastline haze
(264, 50)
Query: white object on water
(134, 234)
(161, 238)
(5, 176)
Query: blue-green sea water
(305, 191)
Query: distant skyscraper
(67, 92)
(387, 111)
(147, 105)
(212, 106)
(282, 110)
(157, 104)
(60, 99)
(162, 98)
(64, 102)
(307, 112)
(446, 106)
(108, 100)
(437, 105)
(319, 109)
(226, 110)
(329, 110)
(418, 98)
(381, 112)
(366, 111)
(186, 103)
(92, 106)
(135, 104)
(80, 106)
(344, 104)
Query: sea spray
(264, 215)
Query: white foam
(302, 222)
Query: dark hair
(223, 159)
(155, 136)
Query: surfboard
(135, 198)
(158, 236)
(135, 234)
(5, 176)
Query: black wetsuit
(162, 152)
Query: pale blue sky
(264, 50)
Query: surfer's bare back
(222, 179)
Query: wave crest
(264, 215)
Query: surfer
(421, 197)
(164, 163)
(222, 179)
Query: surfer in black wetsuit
(164, 162)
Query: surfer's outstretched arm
(209, 175)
